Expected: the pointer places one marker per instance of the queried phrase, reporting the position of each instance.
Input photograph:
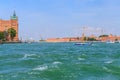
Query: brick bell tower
(14, 24)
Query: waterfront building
(58, 40)
(12, 23)
(80, 39)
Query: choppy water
(59, 61)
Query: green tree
(104, 35)
(92, 39)
(85, 38)
(116, 39)
(12, 33)
(6, 35)
(2, 36)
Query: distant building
(12, 23)
(80, 39)
(58, 40)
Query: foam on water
(109, 62)
(105, 68)
(81, 59)
(28, 55)
(57, 62)
(41, 68)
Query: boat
(110, 42)
(84, 44)
(117, 41)
(84, 41)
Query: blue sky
(63, 18)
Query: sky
(63, 18)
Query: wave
(41, 68)
(81, 59)
(48, 66)
(57, 62)
(28, 55)
(105, 68)
(109, 62)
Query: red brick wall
(6, 24)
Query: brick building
(12, 23)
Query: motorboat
(84, 44)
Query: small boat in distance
(84, 40)
(84, 44)
(110, 42)
(117, 41)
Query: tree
(85, 38)
(116, 39)
(12, 33)
(6, 35)
(92, 39)
(104, 35)
(2, 36)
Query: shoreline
(10, 42)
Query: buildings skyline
(88, 31)
(83, 38)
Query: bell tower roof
(14, 17)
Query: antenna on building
(102, 31)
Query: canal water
(59, 61)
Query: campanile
(12, 23)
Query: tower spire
(14, 17)
(14, 14)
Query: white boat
(110, 41)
